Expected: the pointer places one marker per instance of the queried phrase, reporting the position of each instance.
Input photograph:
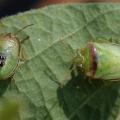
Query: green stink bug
(9, 54)
(99, 61)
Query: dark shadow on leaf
(4, 85)
(84, 100)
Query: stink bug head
(86, 59)
(90, 59)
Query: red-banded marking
(93, 59)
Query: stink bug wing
(108, 64)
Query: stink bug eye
(10, 49)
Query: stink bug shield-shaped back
(100, 61)
(9, 54)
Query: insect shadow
(81, 99)
(4, 85)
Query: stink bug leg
(77, 61)
(23, 55)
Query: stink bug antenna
(23, 28)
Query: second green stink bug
(9, 54)
(100, 61)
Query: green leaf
(49, 88)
